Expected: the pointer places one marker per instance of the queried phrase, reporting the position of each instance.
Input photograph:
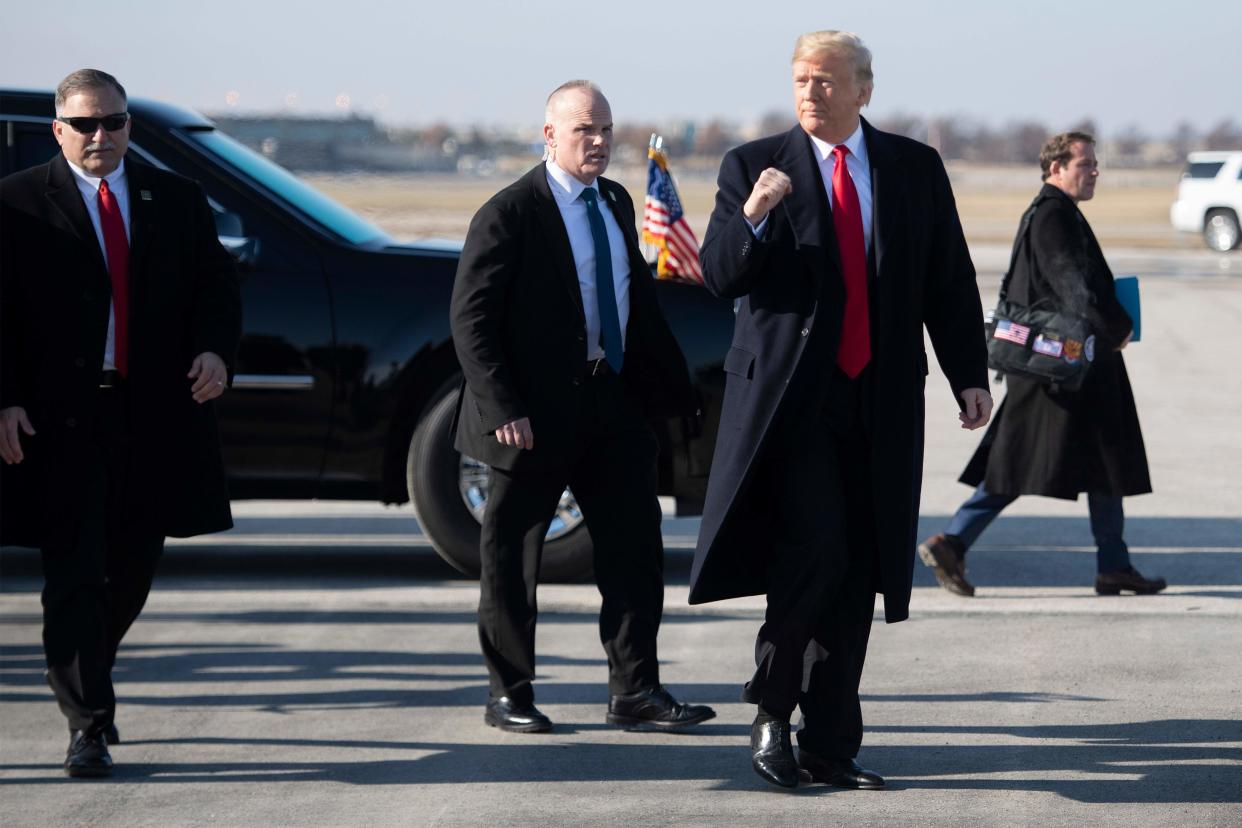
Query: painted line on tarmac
(402, 541)
(1022, 547)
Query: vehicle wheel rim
(1222, 234)
(474, 482)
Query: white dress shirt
(567, 191)
(88, 186)
(858, 164)
(859, 167)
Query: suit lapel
(885, 194)
(806, 208)
(560, 254)
(142, 203)
(641, 287)
(62, 191)
(633, 252)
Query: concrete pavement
(360, 704)
(327, 679)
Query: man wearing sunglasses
(119, 320)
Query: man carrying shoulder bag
(1038, 335)
(1060, 430)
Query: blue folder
(1128, 296)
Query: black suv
(346, 377)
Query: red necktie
(116, 244)
(855, 350)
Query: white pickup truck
(1209, 198)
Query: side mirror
(233, 237)
(244, 250)
(228, 224)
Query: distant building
(320, 144)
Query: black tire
(433, 470)
(1220, 230)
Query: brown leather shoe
(1129, 580)
(948, 564)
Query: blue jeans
(1107, 523)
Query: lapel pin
(145, 194)
(612, 196)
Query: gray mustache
(106, 145)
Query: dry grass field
(1131, 208)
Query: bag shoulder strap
(1021, 242)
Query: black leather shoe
(655, 709)
(841, 773)
(1130, 580)
(507, 714)
(88, 755)
(111, 735)
(771, 754)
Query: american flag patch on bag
(1011, 332)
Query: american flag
(664, 223)
(1011, 331)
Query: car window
(285, 185)
(28, 144)
(1203, 169)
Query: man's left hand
(210, 375)
(977, 410)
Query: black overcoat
(922, 276)
(1059, 443)
(520, 331)
(55, 294)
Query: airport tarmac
(319, 665)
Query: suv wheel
(449, 493)
(1220, 230)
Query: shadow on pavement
(1014, 551)
(1060, 552)
(1144, 762)
(270, 567)
(990, 567)
(1173, 532)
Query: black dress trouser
(94, 588)
(821, 573)
(612, 472)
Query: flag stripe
(664, 224)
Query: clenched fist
(517, 434)
(772, 186)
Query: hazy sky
(1144, 63)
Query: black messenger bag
(1039, 342)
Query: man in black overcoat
(121, 315)
(840, 243)
(1045, 440)
(566, 355)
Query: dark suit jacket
(1059, 443)
(520, 331)
(54, 298)
(789, 284)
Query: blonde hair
(833, 42)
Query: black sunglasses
(88, 126)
